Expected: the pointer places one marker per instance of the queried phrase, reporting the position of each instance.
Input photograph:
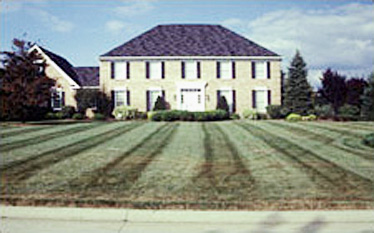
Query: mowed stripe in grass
(17, 171)
(339, 129)
(333, 141)
(117, 176)
(323, 172)
(46, 137)
(223, 175)
(20, 130)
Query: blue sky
(336, 34)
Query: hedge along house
(191, 66)
(68, 79)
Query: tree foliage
(160, 104)
(25, 88)
(355, 89)
(367, 108)
(333, 89)
(222, 104)
(297, 91)
(86, 98)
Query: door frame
(191, 85)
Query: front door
(191, 99)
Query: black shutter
(233, 70)
(183, 70)
(112, 100)
(147, 70)
(128, 98)
(269, 97)
(198, 70)
(218, 96)
(128, 70)
(233, 101)
(63, 98)
(147, 98)
(218, 69)
(254, 99)
(253, 69)
(163, 94)
(162, 70)
(268, 69)
(112, 70)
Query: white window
(190, 69)
(226, 69)
(228, 94)
(260, 70)
(261, 100)
(119, 98)
(120, 70)
(155, 69)
(56, 98)
(153, 95)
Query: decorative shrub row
(254, 115)
(178, 115)
(128, 113)
(293, 117)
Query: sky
(335, 34)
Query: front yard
(219, 165)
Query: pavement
(61, 219)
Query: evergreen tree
(25, 88)
(222, 104)
(367, 107)
(160, 104)
(297, 91)
(355, 89)
(334, 89)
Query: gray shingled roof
(84, 76)
(190, 40)
(88, 76)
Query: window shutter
(233, 101)
(128, 98)
(147, 70)
(163, 94)
(147, 98)
(198, 70)
(269, 97)
(218, 69)
(163, 70)
(233, 70)
(268, 69)
(128, 70)
(63, 98)
(183, 70)
(253, 70)
(113, 100)
(112, 70)
(254, 99)
(218, 96)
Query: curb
(185, 216)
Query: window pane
(261, 100)
(228, 96)
(226, 69)
(155, 69)
(56, 101)
(191, 69)
(120, 70)
(260, 70)
(119, 97)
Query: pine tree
(25, 88)
(367, 107)
(160, 104)
(297, 91)
(222, 104)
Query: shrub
(125, 113)
(324, 111)
(250, 114)
(349, 112)
(86, 98)
(293, 117)
(235, 116)
(222, 104)
(369, 140)
(141, 115)
(50, 116)
(99, 117)
(160, 104)
(67, 111)
(59, 115)
(310, 117)
(78, 116)
(262, 116)
(175, 115)
(275, 111)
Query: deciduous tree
(367, 107)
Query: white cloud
(115, 26)
(341, 38)
(134, 7)
(53, 22)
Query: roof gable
(88, 76)
(190, 40)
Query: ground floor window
(119, 98)
(152, 96)
(230, 98)
(57, 98)
(260, 100)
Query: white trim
(260, 88)
(120, 89)
(233, 58)
(191, 84)
(225, 89)
(154, 89)
(90, 87)
(72, 83)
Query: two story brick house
(191, 66)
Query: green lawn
(219, 165)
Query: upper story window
(190, 69)
(120, 70)
(226, 69)
(260, 70)
(155, 70)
